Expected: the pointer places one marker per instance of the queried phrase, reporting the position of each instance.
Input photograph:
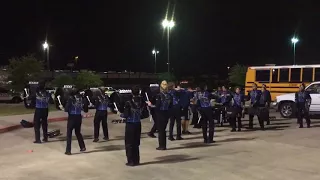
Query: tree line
(28, 68)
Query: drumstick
(148, 107)
(25, 90)
(58, 97)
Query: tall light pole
(46, 48)
(168, 24)
(155, 52)
(294, 40)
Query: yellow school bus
(281, 79)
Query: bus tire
(287, 109)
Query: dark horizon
(208, 37)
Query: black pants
(195, 116)
(155, 124)
(100, 117)
(175, 116)
(303, 113)
(207, 118)
(185, 113)
(234, 118)
(74, 122)
(162, 120)
(40, 118)
(251, 115)
(132, 142)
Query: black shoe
(188, 132)
(83, 149)
(300, 126)
(129, 164)
(268, 123)
(67, 153)
(205, 141)
(106, 138)
(211, 141)
(171, 139)
(151, 135)
(45, 139)
(37, 142)
(250, 127)
(96, 140)
(161, 148)
(308, 126)
(262, 128)
(183, 132)
(239, 130)
(179, 138)
(233, 130)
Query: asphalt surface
(282, 152)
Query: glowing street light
(155, 52)
(168, 24)
(45, 46)
(294, 40)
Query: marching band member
(101, 102)
(205, 110)
(185, 97)
(194, 109)
(303, 101)
(254, 97)
(163, 105)
(238, 107)
(175, 112)
(154, 91)
(133, 112)
(267, 96)
(74, 106)
(41, 113)
(225, 99)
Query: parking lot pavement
(281, 152)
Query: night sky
(119, 35)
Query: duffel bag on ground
(26, 124)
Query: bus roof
(286, 66)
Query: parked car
(10, 96)
(285, 103)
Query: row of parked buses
(283, 82)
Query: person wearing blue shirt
(265, 101)
(237, 106)
(133, 109)
(162, 108)
(225, 100)
(101, 102)
(41, 100)
(303, 102)
(205, 109)
(75, 105)
(254, 98)
(185, 97)
(194, 109)
(175, 112)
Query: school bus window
(275, 75)
(307, 74)
(295, 75)
(317, 74)
(284, 75)
(262, 75)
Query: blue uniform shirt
(42, 100)
(175, 99)
(185, 98)
(74, 105)
(164, 101)
(102, 103)
(203, 99)
(254, 96)
(133, 110)
(238, 100)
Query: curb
(51, 120)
